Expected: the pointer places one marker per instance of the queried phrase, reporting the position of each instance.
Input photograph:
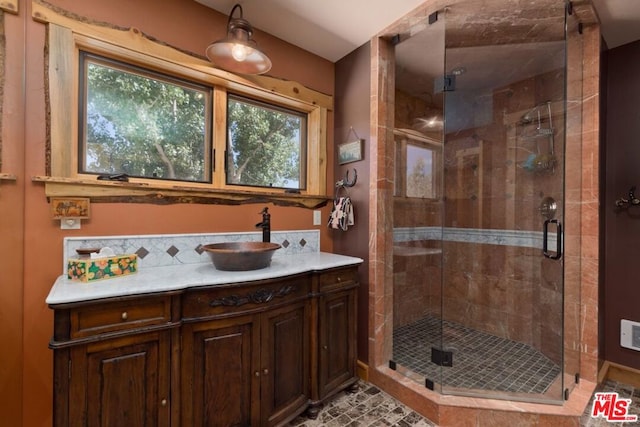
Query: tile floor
(370, 406)
(624, 391)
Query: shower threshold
(481, 361)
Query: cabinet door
(284, 363)
(121, 382)
(337, 341)
(220, 382)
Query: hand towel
(341, 216)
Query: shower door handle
(545, 239)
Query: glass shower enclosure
(480, 139)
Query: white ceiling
(620, 21)
(333, 28)
(329, 28)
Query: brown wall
(352, 109)
(622, 229)
(11, 226)
(27, 231)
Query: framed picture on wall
(350, 151)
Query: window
(416, 159)
(266, 145)
(183, 131)
(420, 175)
(141, 123)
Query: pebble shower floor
(481, 361)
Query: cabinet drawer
(338, 278)
(243, 298)
(118, 316)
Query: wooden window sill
(162, 194)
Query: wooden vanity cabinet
(245, 357)
(119, 375)
(218, 364)
(247, 354)
(336, 336)
(337, 331)
(121, 382)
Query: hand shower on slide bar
(540, 161)
(534, 114)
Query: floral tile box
(93, 269)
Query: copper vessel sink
(241, 256)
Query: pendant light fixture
(238, 52)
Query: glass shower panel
(573, 202)
(417, 199)
(503, 192)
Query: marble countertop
(170, 278)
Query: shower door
(417, 198)
(502, 287)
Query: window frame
(404, 138)
(68, 37)
(304, 158)
(87, 58)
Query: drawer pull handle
(257, 374)
(260, 296)
(164, 402)
(266, 371)
(339, 279)
(124, 315)
(325, 347)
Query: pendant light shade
(238, 52)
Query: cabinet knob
(164, 402)
(339, 279)
(257, 374)
(325, 347)
(266, 371)
(124, 315)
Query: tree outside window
(143, 124)
(265, 146)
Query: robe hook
(345, 181)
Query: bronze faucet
(265, 225)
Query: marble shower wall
(511, 292)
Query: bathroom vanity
(196, 346)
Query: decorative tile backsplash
(157, 250)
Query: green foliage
(144, 126)
(264, 145)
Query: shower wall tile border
(526, 239)
(160, 250)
